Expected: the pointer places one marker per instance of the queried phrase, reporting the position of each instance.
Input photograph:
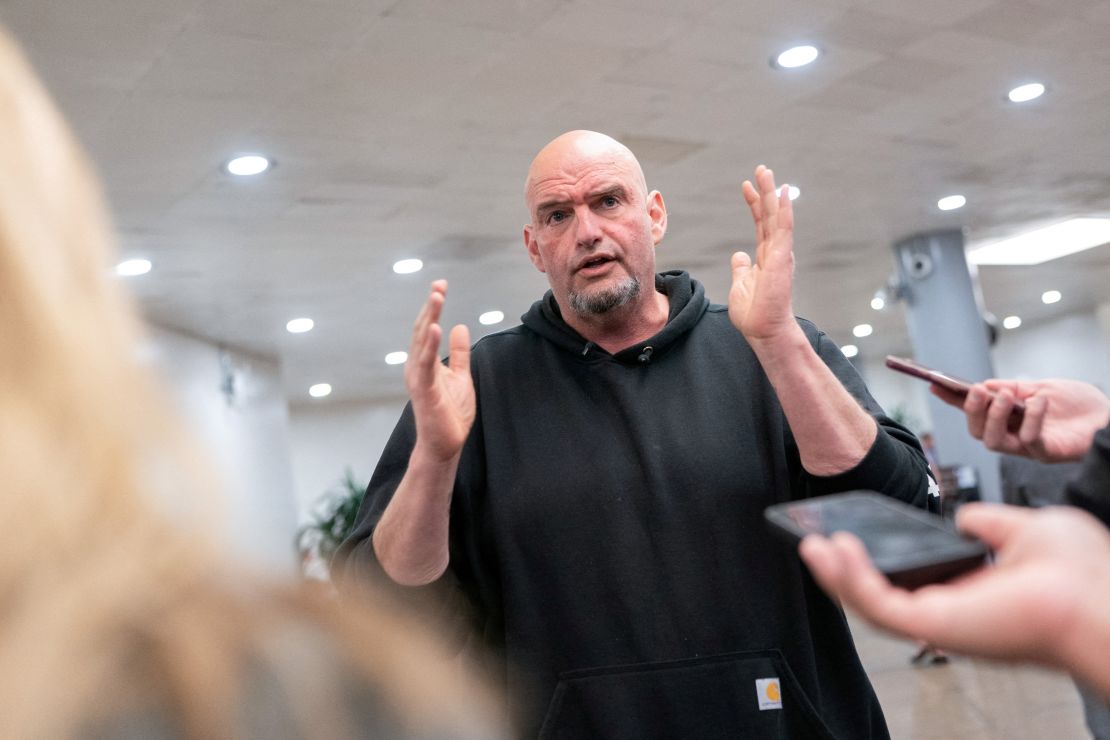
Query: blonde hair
(109, 606)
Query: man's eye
(556, 217)
(609, 201)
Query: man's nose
(588, 231)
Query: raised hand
(442, 395)
(1061, 416)
(759, 300)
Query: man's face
(594, 228)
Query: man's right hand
(411, 539)
(442, 395)
(1061, 416)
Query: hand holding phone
(950, 383)
(909, 546)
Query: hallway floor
(967, 698)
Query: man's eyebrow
(614, 190)
(548, 205)
(610, 191)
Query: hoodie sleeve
(355, 559)
(355, 567)
(1091, 488)
(895, 465)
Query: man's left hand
(759, 301)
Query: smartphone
(909, 546)
(903, 365)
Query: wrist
(782, 348)
(433, 459)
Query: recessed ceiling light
(793, 192)
(1051, 296)
(300, 326)
(1025, 93)
(396, 358)
(951, 202)
(862, 330)
(850, 350)
(1042, 244)
(130, 268)
(320, 390)
(405, 267)
(798, 56)
(878, 303)
(1011, 322)
(248, 164)
(491, 317)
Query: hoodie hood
(687, 301)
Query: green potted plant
(333, 518)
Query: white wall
(247, 436)
(1073, 346)
(897, 392)
(329, 438)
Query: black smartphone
(961, 387)
(909, 546)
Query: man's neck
(625, 326)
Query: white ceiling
(403, 128)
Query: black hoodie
(607, 531)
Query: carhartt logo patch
(769, 693)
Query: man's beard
(603, 301)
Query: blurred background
(396, 136)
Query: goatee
(605, 300)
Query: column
(947, 331)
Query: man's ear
(657, 210)
(533, 248)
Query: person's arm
(411, 539)
(1090, 489)
(813, 399)
(1061, 416)
(1047, 599)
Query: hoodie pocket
(733, 695)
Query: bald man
(601, 507)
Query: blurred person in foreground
(119, 615)
(1047, 597)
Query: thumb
(994, 524)
(741, 264)
(458, 348)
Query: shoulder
(716, 317)
(507, 345)
(506, 338)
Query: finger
(459, 349)
(429, 312)
(424, 319)
(765, 178)
(425, 358)
(975, 408)
(427, 335)
(823, 561)
(786, 209)
(995, 434)
(949, 397)
(751, 197)
(865, 590)
(998, 384)
(994, 524)
(741, 265)
(1032, 424)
